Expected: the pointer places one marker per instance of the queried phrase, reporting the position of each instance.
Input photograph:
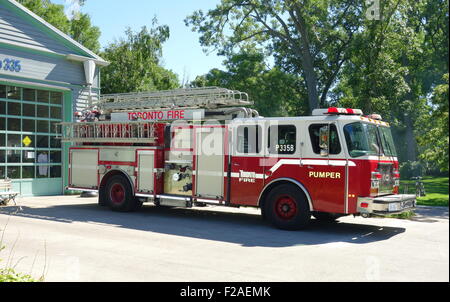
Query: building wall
(33, 57)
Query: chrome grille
(387, 180)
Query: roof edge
(58, 32)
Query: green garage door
(30, 154)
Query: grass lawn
(436, 189)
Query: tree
(135, 62)
(274, 92)
(83, 32)
(307, 38)
(80, 28)
(393, 66)
(434, 137)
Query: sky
(182, 53)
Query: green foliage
(338, 56)
(308, 39)
(436, 189)
(83, 32)
(434, 136)
(9, 275)
(135, 62)
(79, 28)
(409, 169)
(275, 93)
(404, 215)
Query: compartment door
(84, 168)
(146, 173)
(209, 152)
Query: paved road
(72, 239)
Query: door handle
(236, 164)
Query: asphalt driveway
(68, 238)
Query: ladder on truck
(207, 97)
(108, 132)
(144, 131)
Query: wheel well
(108, 176)
(276, 183)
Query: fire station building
(44, 77)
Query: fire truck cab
(207, 148)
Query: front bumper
(385, 205)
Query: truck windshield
(367, 139)
(362, 139)
(387, 141)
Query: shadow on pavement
(430, 214)
(239, 228)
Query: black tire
(119, 195)
(326, 217)
(102, 198)
(287, 208)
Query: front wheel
(119, 195)
(286, 208)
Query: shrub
(411, 169)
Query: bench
(6, 195)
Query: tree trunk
(311, 81)
(410, 139)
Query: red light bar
(348, 111)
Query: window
(13, 93)
(282, 139)
(13, 172)
(362, 139)
(29, 110)
(55, 112)
(29, 95)
(387, 141)
(28, 144)
(3, 91)
(248, 139)
(14, 140)
(14, 124)
(28, 125)
(335, 145)
(14, 156)
(42, 111)
(42, 126)
(27, 172)
(56, 98)
(14, 108)
(42, 96)
(2, 107)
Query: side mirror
(324, 140)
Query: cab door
(325, 175)
(246, 177)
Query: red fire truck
(205, 146)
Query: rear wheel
(286, 208)
(119, 195)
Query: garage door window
(28, 145)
